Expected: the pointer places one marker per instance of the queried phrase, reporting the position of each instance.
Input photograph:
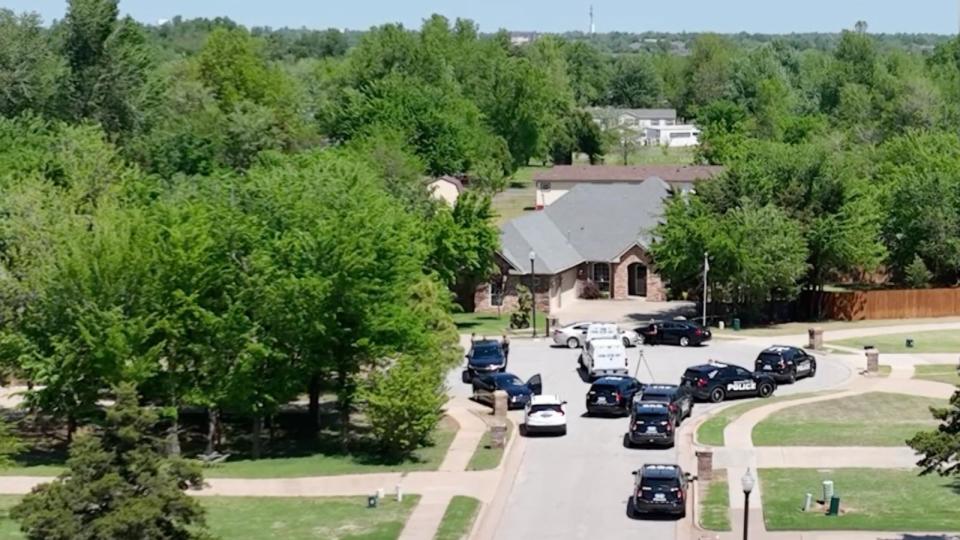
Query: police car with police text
(716, 382)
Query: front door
(637, 282)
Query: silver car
(575, 335)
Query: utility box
(736, 325)
(834, 509)
(827, 491)
(372, 501)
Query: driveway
(628, 312)
(577, 486)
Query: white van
(602, 331)
(604, 357)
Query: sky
(759, 16)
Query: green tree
(709, 73)
(940, 447)
(634, 83)
(108, 61)
(589, 72)
(30, 70)
(916, 275)
(118, 484)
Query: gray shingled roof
(591, 223)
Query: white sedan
(575, 335)
(545, 414)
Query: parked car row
(677, 332)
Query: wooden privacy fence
(891, 304)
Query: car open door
(535, 384)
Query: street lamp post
(747, 483)
(533, 291)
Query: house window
(600, 274)
(496, 292)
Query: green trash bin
(736, 325)
(834, 506)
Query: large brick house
(596, 232)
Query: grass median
(942, 373)
(798, 328)
(870, 499)
(290, 518)
(486, 457)
(874, 419)
(491, 325)
(715, 508)
(710, 432)
(459, 517)
(939, 341)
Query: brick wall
(620, 275)
(482, 294)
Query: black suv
(716, 382)
(682, 333)
(786, 364)
(612, 395)
(659, 489)
(651, 424)
(676, 397)
(485, 356)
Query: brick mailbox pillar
(498, 434)
(500, 404)
(873, 360)
(705, 466)
(816, 338)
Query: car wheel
(563, 431)
(717, 395)
(792, 378)
(684, 341)
(627, 443)
(573, 343)
(626, 343)
(631, 509)
(813, 370)
(765, 390)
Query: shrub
(403, 406)
(590, 290)
(916, 275)
(520, 318)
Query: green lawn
(715, 509)
(519, 197)
(492, 326)
(874, 419)
(711, 431)
(293, 518)
(648, 155)
(941, 341)
(945, 373)
(870, 499)
(795, 328)
(459, 517)
(425, 459)
(486, 457)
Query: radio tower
(593, 27)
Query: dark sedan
(682, 333)
(518, 392)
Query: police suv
(716, 382)
(786, 364)
(651, 424)
(659, 489)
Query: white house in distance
(634, 119)
(675, 136)
(557, 181)
(445, 188)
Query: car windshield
(509, 381)
(769, 358)
(666, 483)
(546, 407)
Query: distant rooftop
(641, 114)
(627, 173)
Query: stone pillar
(873, 360)
(705, 466)
(500, 404)
(498, 434)
(816, 338)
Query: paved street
(577, 486)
